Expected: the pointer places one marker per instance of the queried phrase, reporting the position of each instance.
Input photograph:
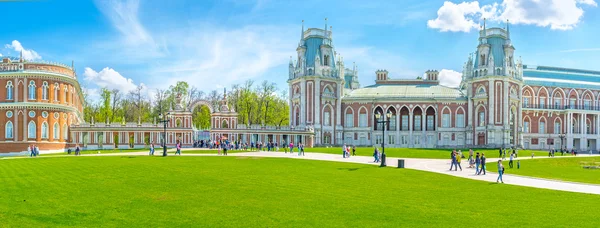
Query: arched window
(542, 127)
(31, 130)
(56, 89)
(66, 89)
(483, 60)
(31, 90)
(55, 131)
(44, 90)
(326, 60)
(9, 90)
(65, 132)
(8, 131)
(44, 130)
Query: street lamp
(387, 116)
(562, 137)
(164, 121)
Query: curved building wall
(39, 101)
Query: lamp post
(164, 121)
(383, 119)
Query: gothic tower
(316, 83)
(492, 82)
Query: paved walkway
(430, 165)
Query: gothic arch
(328, 86)
(327, 107)
(349, 108)
(526, 119)
(588, 92)
(447, 110)
(540, 95)
(558, 120)
(544, 120)
(479, 90)
(480, 108)
(201, 102)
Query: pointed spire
(484, 27)
(330, 31)
(302, 33)
(325, 26)
(21, 58)
(507, 29)
(291, 62)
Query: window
(404, 123)
(9, 114)
(31, 130)
(542, 127)
(44, 130)
(45, 91)
(349, 120)
(9, 90)
(31, 114)
(542, 102)
(526, 102)
(430, 121)
(481, 119)
(445, 120)
(587, 104)
(56, 89)
(56, 115)
(8, 131)
(391, 139)
(55, 131)
(45, 114)
(378, 139)
(404, 140)
(556, 102)
(418, 122)
(66, 89)
(460, 120)
(31, 90)
(572, 103)
(417, 140)
(65, 132)
(362, 120)
(557, 128)
(326, 119)
(392, 123)
(526, 127)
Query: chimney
(382, 75)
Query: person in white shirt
(510, 162)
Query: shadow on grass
(349, 169)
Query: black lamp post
(164, 121)
(387, 116)
(562, 137)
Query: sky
(122, 44)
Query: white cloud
(27, 53)
(109, 78)
(0, 55)
(556, 14)
(450, 78)
(457, 17)
(123, 14)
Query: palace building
(38, 103)
(500, 102)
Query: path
(430, 165)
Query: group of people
(346, 151)
(562, 152)
(33, 150)
(299, 146)
(478, 161)
(177, 147)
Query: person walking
(477, 163)
(453, 160)
(510, 161)
(353, 150)
(458, 159)
(504, 154)
(482, 163)
(376, 155)
(178, 147)
(29, 151)
(302, 149)
(77, 150)
(152, 149)
(291, 147)
(344, 151)
(500, 171)
(499, 153)
(471, 158)
(225, 144)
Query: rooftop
(561, 77)
(408, 90)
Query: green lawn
(141, 191)
(566, 169)
(420, 152)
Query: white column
(423, 127)
(398, 125)
(303, 102)
(317, 102)
(410, 129)
(505, 117)
(597, 132)
(290, 104)
(25, 130)
(491, 96)
(583, 146)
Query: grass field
(566, 169)
(140, 191)
(421, 152)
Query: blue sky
(212, 44)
